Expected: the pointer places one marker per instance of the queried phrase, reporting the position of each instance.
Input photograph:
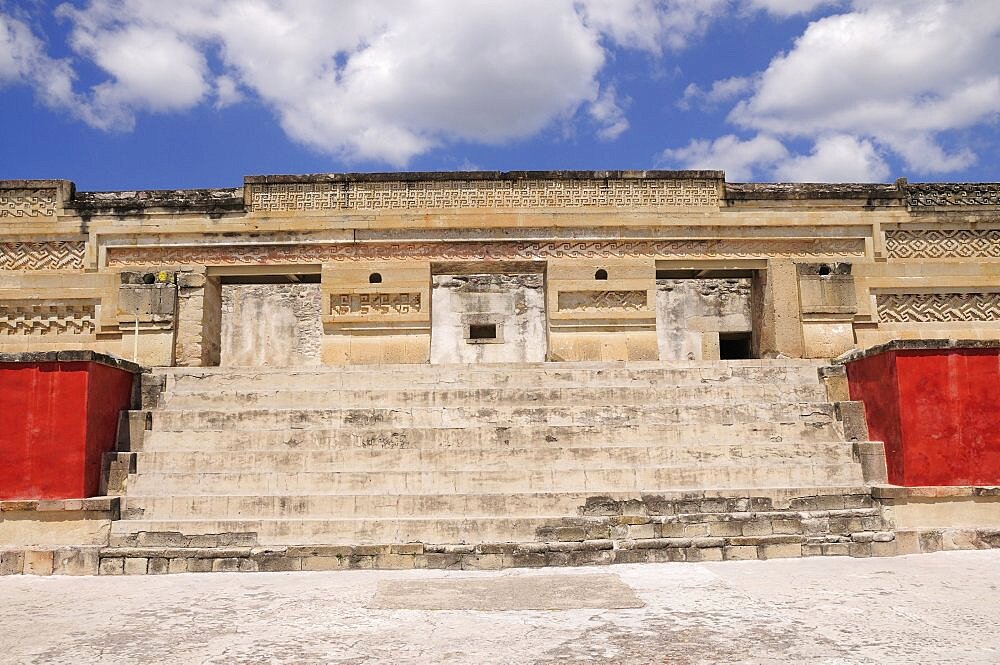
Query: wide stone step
(496, 436)
(557, 457)
(551, 504)
(303, 398)
(513, 480)
(651, 414)
(757, 372)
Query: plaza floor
(932, 608)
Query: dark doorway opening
(735, 346)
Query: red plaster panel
(56, 420)
(937, 410)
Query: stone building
(494, 267)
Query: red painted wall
(57, 419)
(937, 410)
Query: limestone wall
(488, 318)
(691, 314)
(834, 266)
(270, 325)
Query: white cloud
(609, 115)
(23, 60)
(651, 24)
(724, 90)
(898, 73)
(791, 7)
(371, 79)
(837, 158)
(738, 158)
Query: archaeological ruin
(484, 370)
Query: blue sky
(136, 94)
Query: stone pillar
(376, 312)
(199, 319)
(602, 310)
(829, 303)
(776, 311)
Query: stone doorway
(704, 314)
(488, 317)
(270, 321)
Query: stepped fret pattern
(483, 194)
(32, 203)
(943, 244)
(55, 255)
(18, 319)
(514, 250)
(953, 194)
(938, 307)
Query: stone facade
(824, 268)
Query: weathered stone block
(112, 566)
(780, 551)
(136, 565)
(38, 562)
(76, 561)
(739, 553)
(158, 566)
(11, 562)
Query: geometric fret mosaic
(483, 194)
(52, 255)
(943, 243)
(937, 307)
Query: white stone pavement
(932, 608)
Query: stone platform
(493, 466)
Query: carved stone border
(503, 250)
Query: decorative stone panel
(592, 301)
(938, 307)
(943, 244)
(28, 203)
(281, 197)
(19, 318)
(343, 304)
(52, 255)
(953, 194)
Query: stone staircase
(490, 465)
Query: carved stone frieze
(275, 197)
(343, 304)
(590, 301)
(20, 318)
(501, 250)
(942, 243)
(953, 194)
(23, 203)
(938, 307)
(52, 255)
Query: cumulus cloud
(878, 79)
(836, 158)
(721, 91)
(373, 79)
(740, 159)
(791, 7)
(23, 60)
(897, 73)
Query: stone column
(199, 319)
(776, 311)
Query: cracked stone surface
(927, 608)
